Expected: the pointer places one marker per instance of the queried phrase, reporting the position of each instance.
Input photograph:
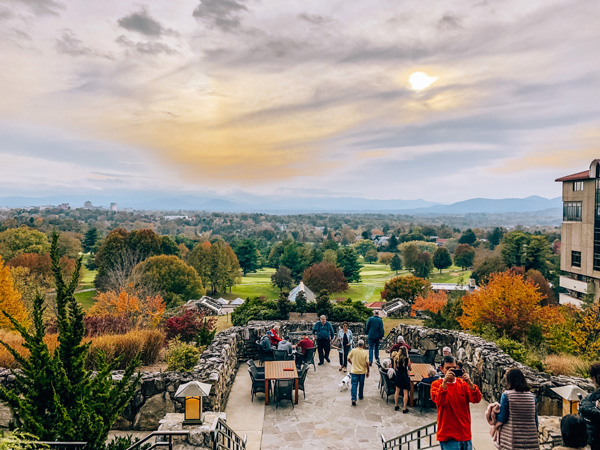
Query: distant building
(64, 206)
(237, 302)
(470, 287)
(88, 205)
(175, 217)
(396, 308)
(580, 235)
(114, 207)
(308, 294)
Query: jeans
(324, 347)
(373, 348)
(456, 445)
(344, 356)
(358, 381)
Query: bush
(514, 349)
(568, 365)
(349, 311)
(255, 309)
(147, 343)
(182, 357)
(101, 325)
(16, 341)
(124, 442)
(189, 325)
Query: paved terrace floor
(326, 419)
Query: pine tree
(90, 239)
(301, 303)
(396, 263)
(54, 396)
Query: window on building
(572, 212)
(577, 185)
(576, 259)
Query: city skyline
(298, 98)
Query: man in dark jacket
(590, 409)
(323, 332)
(375, 332)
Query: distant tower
(113, 207)
(88, 205)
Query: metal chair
(281, 355)
(429, 356)
(260, 370)
(258, 384)
(390, 387)
(284, 390)
(309, 357)
(416, 358)
(302, 378)
(424, 395)
(381, 381)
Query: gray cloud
(142, 22)
(41, 7)
(223, 14)
(315, 19)
(70, 44)
(146, 48)
(6, 14)
(449, 22)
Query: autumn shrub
(102, 325)
(191, 325)
(569, 365)
(139, 312)
(182, 357)
(15, 341)
(10, 300)
(586, 335)
(147, 343)
(433, 302)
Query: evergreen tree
(284, 306)
(424, 265)
(393, 244)
(396, 263)
(54, 396)
(347, 260)
(90, 239)
(468, 237)
(323, 306)
(282, 278)
(301, 303)
(442, 259)
(247, 255)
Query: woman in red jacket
(275, 339)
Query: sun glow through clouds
(420, 80)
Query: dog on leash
(345, 384)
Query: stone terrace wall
(486, 364)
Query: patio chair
(424, 395)
(381, 384)
(258, 384)
(302, 378)
(260, 370)
(281, 355)
(284, 390)
(390, 387)
(264, 355)
(309, 357)
(429, 356)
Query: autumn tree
(442, 259)
(169, 275)
(137, 311)
(11, 302)
(433, 302)
(396, 263)
(406, 288)
(282, 278)
(536, 277)
(464, 256)
(508, 302)
(216, 264)
(371, 256)
(325, 276)
(16, 241)
(198, 259)
(247, 255)
(586, 335)
(347, 261)
(410, 255)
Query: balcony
(573, 285)
(566, 299)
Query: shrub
(101, 325)
(514, 349)
(568, 365)
(124, 442)
(182, 357)
(15, 341)
(147, 343)
(139, 312)
(255, 309)
(349, 311)
(187, 326)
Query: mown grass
(87, 299)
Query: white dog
(345, 384)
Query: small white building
(308, 294)
(237, 302)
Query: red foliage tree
(325, 276)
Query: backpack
(265, 343)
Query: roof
(585, 175)
(308, 294)
(374, 305)
(238, 301)
(193, 389)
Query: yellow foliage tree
(434, 302)
(10, 300)
(508, 302)
(586, 335)
(148, 311)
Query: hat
(376, 312)
(269, 333)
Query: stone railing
(486, 363)
(217, 366)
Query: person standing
(375, 332)
(400, 342)
(323, 332)
(359, 358)
(518, 414)
(402, 380)
(589, 408)
(452, 396)
(345, 338)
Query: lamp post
(570, 395)
(193, 392)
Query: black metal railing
(227, 439)
(160, 435)
(60, 445)
(421, 438)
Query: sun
(420, 80)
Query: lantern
(193, 393)
(570, 395)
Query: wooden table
(417, 373)
(274, 371)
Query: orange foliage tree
(139, 312)
(434, 302)
(10, 300)
(508, 302)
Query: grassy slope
(87, 282)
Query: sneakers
(327, 359)
(320, 364)
(405, 411)
(396, 408)
(353, 403)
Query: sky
(298, 97)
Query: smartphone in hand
(458, 372)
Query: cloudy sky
(306, 97)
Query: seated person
(386, 363)
(275, 339)
(265, 342)
(446, 351)
(286, 345)
(432, 375)
(574, 432)
(304, 344)
(400, 342)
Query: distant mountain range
(242, 202)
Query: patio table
(274, 370)
(416, 374)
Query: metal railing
(159, 443)
(421, 438)
(226, 438)
(61, 445)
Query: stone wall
(486, 363)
